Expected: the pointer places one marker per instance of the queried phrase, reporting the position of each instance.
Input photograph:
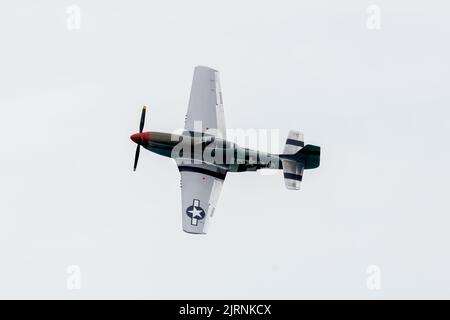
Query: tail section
(296, 158)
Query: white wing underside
(205, 112)
(200, 191)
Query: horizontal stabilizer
(294, 142)
(293, 174)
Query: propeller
(138, 148)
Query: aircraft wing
(200, 189)
(205, 111)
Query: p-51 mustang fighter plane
(204, 156)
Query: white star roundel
(195, 212)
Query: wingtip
(192, 232)
(199, 67)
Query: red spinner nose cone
(136, 137)
(140, 138)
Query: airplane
(204, 157)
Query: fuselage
(209, 149)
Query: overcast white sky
(376, 101)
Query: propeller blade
(141, 125)
(136, 157)
(138, 148)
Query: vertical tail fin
(309, 155)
